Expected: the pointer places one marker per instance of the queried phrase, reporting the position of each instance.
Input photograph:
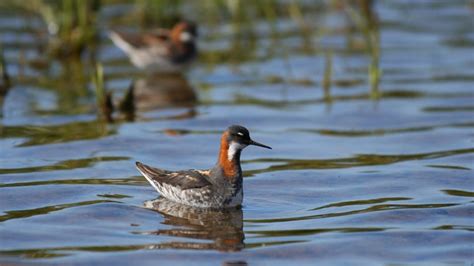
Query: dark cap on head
(241, 135)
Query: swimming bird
(160, 51)
(218, 187)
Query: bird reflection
(163, 90)
(224, 227)
(157, 91)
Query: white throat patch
(234, 147)
(185, 36)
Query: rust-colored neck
(231, 168)
(176, 32)
(181, 51)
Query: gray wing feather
(184, 179)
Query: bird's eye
(240, 134)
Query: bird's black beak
(259, 144)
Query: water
(353, 180)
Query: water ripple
(356, 161)
(42, 135)
(45, 210)
(63, 165)
(375, 208)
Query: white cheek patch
(234, 147)
(185, 36)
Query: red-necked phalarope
(160, 51)
(219, 187)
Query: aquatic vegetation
(366, 21)
(4, 77)
(71, 24)
(127, 104)
(5, 83)
(157, 12)
(327, 77)
(103, 97)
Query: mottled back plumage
(186, 179)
